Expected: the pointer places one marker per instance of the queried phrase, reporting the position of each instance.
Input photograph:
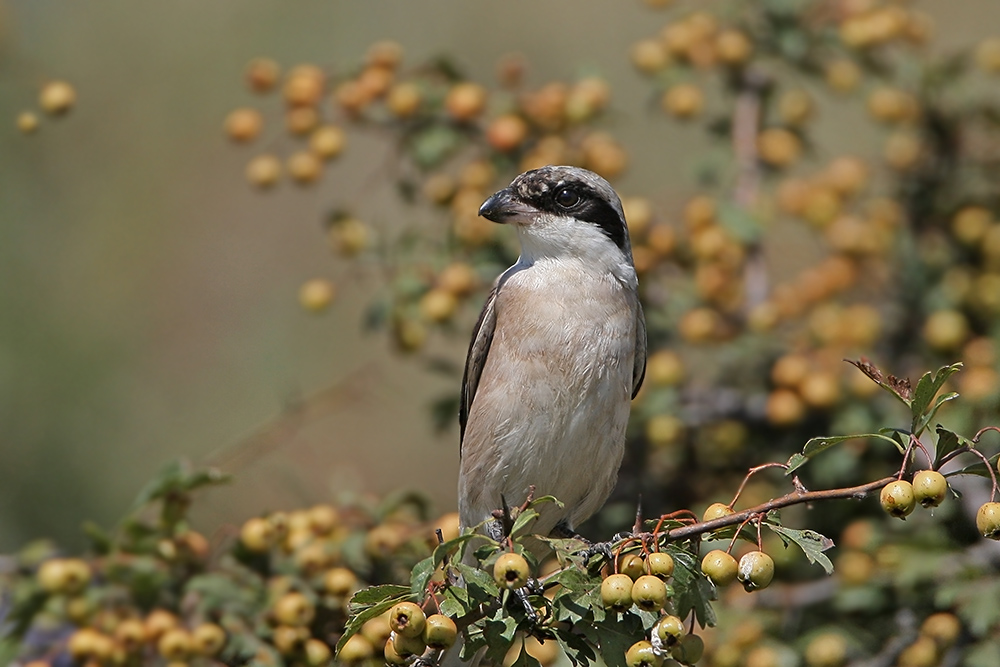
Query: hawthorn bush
(751, 434)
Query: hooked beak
(503, 206)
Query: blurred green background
(148, 302)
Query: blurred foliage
(903, 265)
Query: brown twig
(983, 430)
(287, 425)
(750, 474)
(787, 500)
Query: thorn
(637, 527)
(799, 486)
(507, 521)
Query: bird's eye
(567, 198)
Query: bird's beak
(503, 206)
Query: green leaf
(177, 477)
(576, 648)
(499, 633)
(404, 500)
(983, 654)
(475, 639)
(523, 522)
(613, 636)
(947, 442)
(451, 547)
(926, 418)
(812, 544)
(545, 500)
(359, 618)
(566, 546)
(100, 541)
(479, 584)
(694, 592)
(928, 387)
(580, 603)
(452, 608)
(795, 461)
(739, 222)
(420, 575)
(979, 468)
(215, 591)
(433, 144)
(375, 595)
(572, 579)
(816, 446)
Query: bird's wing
(639, 363)
(479, 347)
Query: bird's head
(564, 212)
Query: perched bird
(556, 356)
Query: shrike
(556, 356)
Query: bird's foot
(604, 548)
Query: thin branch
(298, 413)
(787, 500)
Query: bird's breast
(553, 400)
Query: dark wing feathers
(639, 361)
(479, 347)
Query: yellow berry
(294, 609)
(27, 122)
(263, 171)
(57, 97)
(511, 571)
(317, 294)
(407, 619)
(898, 499)
(208, 639)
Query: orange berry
(649, 56)
(842, 76)
(733, 47)
(465, 101)
(304, 167)
(404, 99)
(385, 53)
(304, 85)
(684, 100)
(778, 147)
(507, 132)
(327, 141)
(262, 74)
(301, 120)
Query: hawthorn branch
(796, 497)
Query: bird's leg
(522, 595)
(604, 548)
(495, 530)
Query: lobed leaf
(421, 575)
(479, 584)
(499, 634)
(390, 595)
(813, 544)
(816, 446)
(927, 388)
(947, 442)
